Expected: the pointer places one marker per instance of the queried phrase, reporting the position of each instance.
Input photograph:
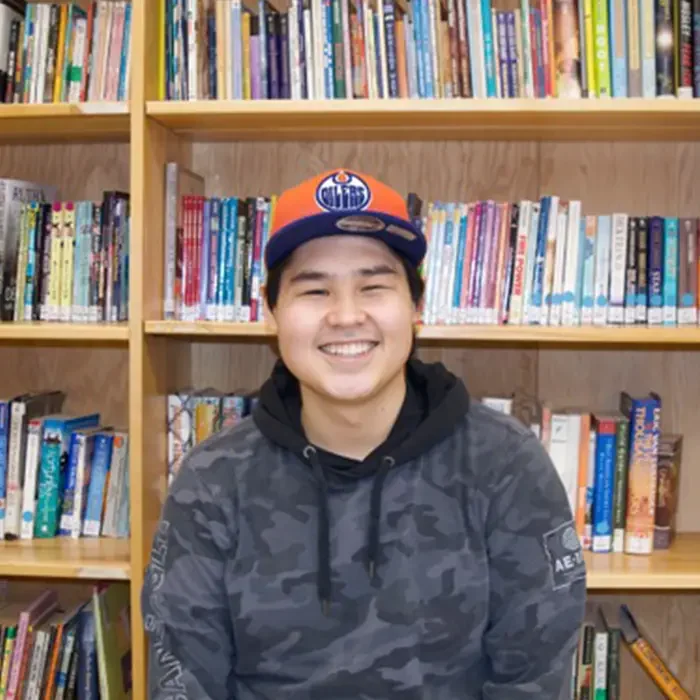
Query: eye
(313, 292)
(374, 287)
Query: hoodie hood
(436, 400)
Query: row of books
(528, 262)
(620, 471)
(195, 415)
(61, 52)
(596, 664)
(53, 651)
(64, 260)
(335, 49)
(547, 262)
(61, 473)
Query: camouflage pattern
(479, 593)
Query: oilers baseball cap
(338, 202)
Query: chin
(350, 389)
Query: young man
(371, 532)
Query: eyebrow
(317, 275)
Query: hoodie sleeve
(183, 599)
(538, 580)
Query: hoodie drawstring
(323, 580)
(375, 515)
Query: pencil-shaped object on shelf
(649, 658)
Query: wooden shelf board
(610, 335)
(628, 119)
(74, 332)
(676, 568)
(77, 122)
(85, 558)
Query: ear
(417, 316)
(270, 321)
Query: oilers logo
(342, 192)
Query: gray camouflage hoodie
(445, 566)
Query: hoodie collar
(435, 402)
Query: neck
(352, 430)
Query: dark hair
(416, 284)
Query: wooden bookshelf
(584, 120)
(86, 558)
(675, 569)
(629, 155)
(539, 335)
(72, 332)
(43, 123)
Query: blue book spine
(489, 53)
(655, 274)
(101, 463)
(606, 446)
(588, 273)
(538, 269)
(459, 268)
(214, 257)
(671, 261)
(88, 682)
(417, 36)
(427, 50)
(68, 500)
(221, 258)
(121, 90)
(617, 18)
(232, 263)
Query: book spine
(604, 485)
(670, 271)
(620, 488)
(644, 416)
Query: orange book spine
(657, 670)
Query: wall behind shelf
(79, 171)
(94, 378)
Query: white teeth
(347, 349)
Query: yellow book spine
(7, 655)
(58, 73)
(246, 54)
(25, 217)
(590, 47)
(67, 264)
(56, 262)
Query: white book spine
(618, 268)
(570, 311)
(560, 256)
(31, 472)
(15, 470)
(602, 271)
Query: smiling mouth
(356, 349)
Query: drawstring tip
(371, 568)
(326, 606)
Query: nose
(346, 311)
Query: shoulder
(507, 455)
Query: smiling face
(344, 318)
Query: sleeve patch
(565, 555)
